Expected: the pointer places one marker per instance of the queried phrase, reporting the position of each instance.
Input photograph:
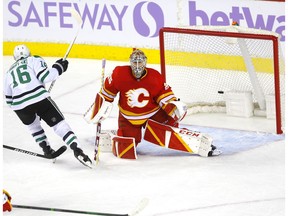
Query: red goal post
(199, 62)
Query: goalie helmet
(138, 62)
(21, 51)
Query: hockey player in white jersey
(25, 93)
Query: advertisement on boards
(104, 22)
(130, 23)
(252, 14)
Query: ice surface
(248, 179)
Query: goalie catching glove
(100, 110)
(176, 109)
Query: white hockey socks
(63, 130)
(37, 131)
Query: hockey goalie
(146, 101)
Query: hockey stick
(57, 153)
(79, 20)
(98, 126)
(66, 210)
(135, 211)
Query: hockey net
(203, 63)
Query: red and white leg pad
(124, 147)
(177, 138)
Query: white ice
(248, 179)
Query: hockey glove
(100, 110)
(61, 65)
(6, 201)
(176, 109)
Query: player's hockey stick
(65, 210)
(138, 208)
(57, 153)
(79, 20)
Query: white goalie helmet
(21, 51)
(138, 62)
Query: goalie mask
(21, 51)
(138, 62)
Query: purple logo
(139, 18)
(238, 14)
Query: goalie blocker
(100, 110)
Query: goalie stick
(136, 210)
(56, 154)
(98, 126)
(79, 20)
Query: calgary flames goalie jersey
(139, 99)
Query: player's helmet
(138, 62)
(21, 51)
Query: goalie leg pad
(105, 138)
(124, 147)
(177, 138)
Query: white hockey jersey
(24, 82)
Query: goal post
(201, 62)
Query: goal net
(207, 65)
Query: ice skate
(48, 151)
(80, 156)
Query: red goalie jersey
(139, 99)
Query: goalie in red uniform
(143, 96)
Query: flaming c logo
(137, 97)
(141, 14)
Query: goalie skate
(214, 152)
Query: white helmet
(138, 62)
(21, 51)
